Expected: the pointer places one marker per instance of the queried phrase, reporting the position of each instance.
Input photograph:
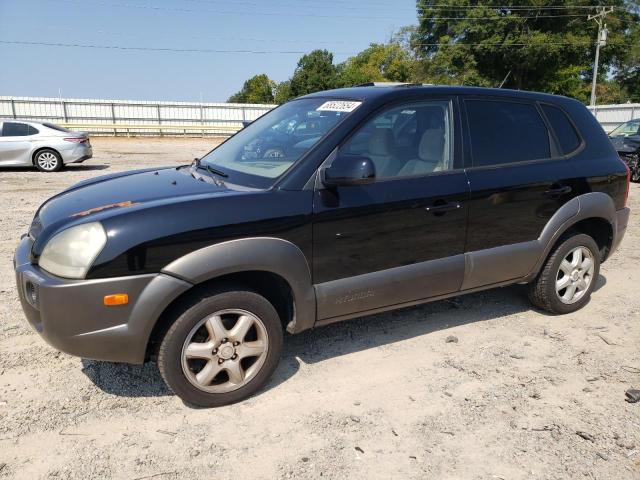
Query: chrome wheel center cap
(226, 352)
(575, 276)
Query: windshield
(626, 129)
(266, 148)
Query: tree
(628, 65)
(379, 62)
(315, 72)
(532, 47)
(258, 89)
(283, 92)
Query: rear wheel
(568, 277)
(48, 160)
(222, 348)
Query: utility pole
(602, 41)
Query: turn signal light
(116, 299)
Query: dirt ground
(520, 395)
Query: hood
(629, 144)
(104, 196)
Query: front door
(400, 239)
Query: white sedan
(46, 146)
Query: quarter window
(506, 132)
(408, 140)
(14, 129)
(565, 133)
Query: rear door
(15, 143)
(400, 239)
(518, 178)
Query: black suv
(626, 141)
(392, 196)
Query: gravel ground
(518, 394)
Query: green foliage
(544, 50)
(315, 72)
(379, 62)
(283, 92)
(258, 89)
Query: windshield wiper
(208, 168)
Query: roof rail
(392, 84)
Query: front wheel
(221, 349)
(568, 277)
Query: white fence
(133, 117)
(610, 116)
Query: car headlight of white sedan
(71, 253)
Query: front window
(408, 140)
(268, 147)
(627, 129)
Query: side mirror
(349, 170)
(246, 123)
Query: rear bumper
(620, 228)
(78, 154)
(71, 317)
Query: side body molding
(267, 254)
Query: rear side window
(14, 129)
(506, 132)
(565, 133)
(56, 127)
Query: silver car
(43, 145)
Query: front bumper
(71, 317)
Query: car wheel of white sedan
(48, 161)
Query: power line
(312, 15)
(155, 49)
(265, 52)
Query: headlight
(71, 252)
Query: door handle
(557, 191)
(442, 207)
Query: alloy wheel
(47, 161)
(224, 351)
(575, 275)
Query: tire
(48, 160)
(194, 348)
(545, 292)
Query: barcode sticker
(338, 106)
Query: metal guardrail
(133, 117)
(137, 129)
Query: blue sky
(341, 26)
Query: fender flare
(588, 205)
(268, 254)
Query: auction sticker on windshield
(338, 106)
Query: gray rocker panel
(389, 287)
(258, 253)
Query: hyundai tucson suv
(399, 195)
(46, 146)
(626, 141)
